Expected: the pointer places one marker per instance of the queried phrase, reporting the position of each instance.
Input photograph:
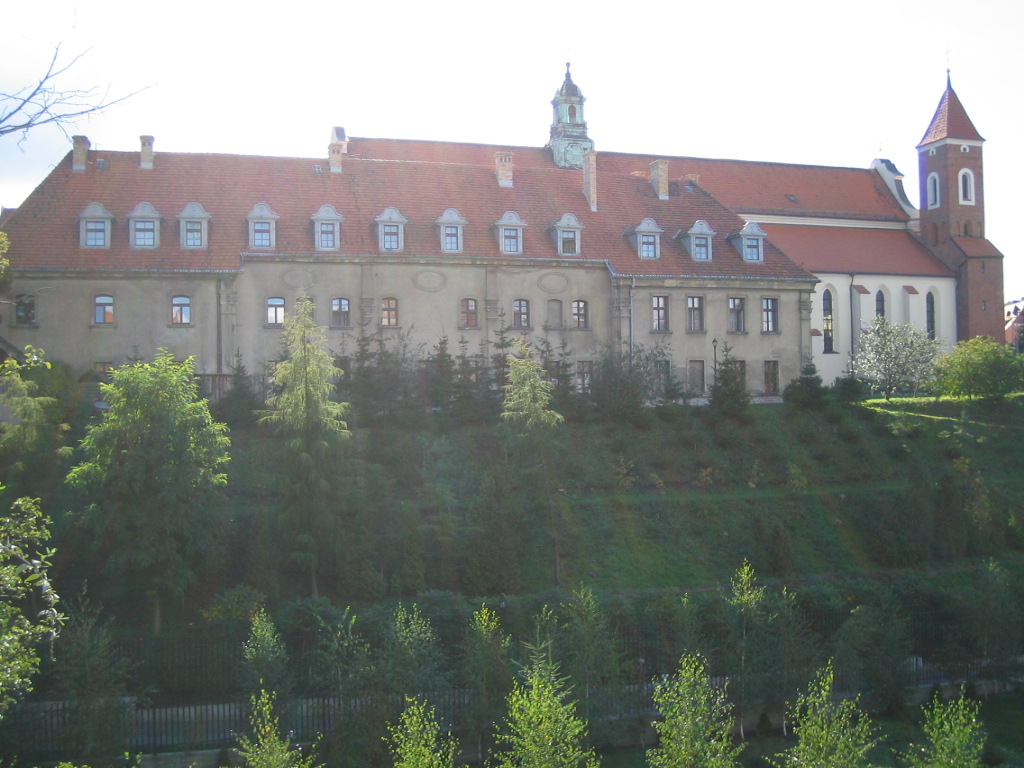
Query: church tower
(953, 216)
(569, 140)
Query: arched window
(103, 310)
(181, 310)
(340, 317)
(275, 311)
(932, 190)
(827, 328)
(966, 187)
(929, 314)
(467, 313)
(879, 304)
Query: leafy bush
(806, 390)
(980, 367)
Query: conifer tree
(417, 741)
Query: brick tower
(953, 216)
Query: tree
(416, 741)
(806, 391)
(313, 428)
(528, 392)
(542, 729)
(267, 748)
(265, 657)
(44, 103)
(696, 726)
(486, 673)
(890, 356)
(830, 734)
(728, 395)
(980, 367)
(150, 473)
(28, 603)
(956, 738)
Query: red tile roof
(842, 249)
(950, 121)
(977, 247)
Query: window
(327, 228)
(579, 314)
(391, 230)
(749, 241)
(24, 309)
(193, 224)
(698, 240)
(95, 223)
(554, 317)
(509, 229)
(340, 317)
(737, 320)
(275, 311)
(181, 310)
(262, 227)
(771, 377)
(467, 314)
(144, 226)
(695, 314)
(389, 312)
(751, 249)
(646, 238)
(826, 322)
(966, 187)
(659, 314)
(520, 313)
(695, 377)
(929, 314)
(103, 310)
(566, 232)
(584, 372)
(450, 227)
(880, 304)
(769, 315)
(932, 190)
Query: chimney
(590, 178)
(693, 179)
(503, 168)
(79, 153)
(146, 156)
(337, 149)
(659, 178)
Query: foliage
(265, 658)
(848, 389)
(806, 390)
(728, 395)
(24, 566)
(891, 356)
(267, 748)
(30, 430)
(238, 406)
(830, 734)
(542, 729)
(696, 726)
(412, 660)
(150, 470)
(955, 735)
(94, 678)
(417, 741)
(313, 427)
(528, 392)
(980, 367)
(624, 382)
(486, 673)
(871, 649)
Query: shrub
(806, 390)
(980, 367)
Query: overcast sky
(787, 81)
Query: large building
(118, 254)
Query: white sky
(813, 82)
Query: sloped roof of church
(950, 120)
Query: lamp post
(714, 347)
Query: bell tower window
(932, 190)
(966, 187)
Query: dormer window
(391, 230)
(749, 241)
(449, 230)
(509, 230)
(646, 238)
(144, 227)
(194, 226)
(966, 187)
(327, 228)
(262, 228)
(566, 233)
(697, 240)
(94, 226)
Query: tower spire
(569, 140)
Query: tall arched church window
(880, 304)
(966, 187)
(929, 314)
(827, 328)
(932, 190)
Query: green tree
(486, 674)
(265, 658)
(417, 741)
(542, 729)
(24, 580)
(528, 392)
(891, 356)
(267, 748)
(728, 395)
(749, 604)
(830, 733)
(696, 726)
(150, 472)
(956, 737)
(313, 428)
(980, 367)
(806, 390)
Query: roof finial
(949, 83)
(567, 75)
